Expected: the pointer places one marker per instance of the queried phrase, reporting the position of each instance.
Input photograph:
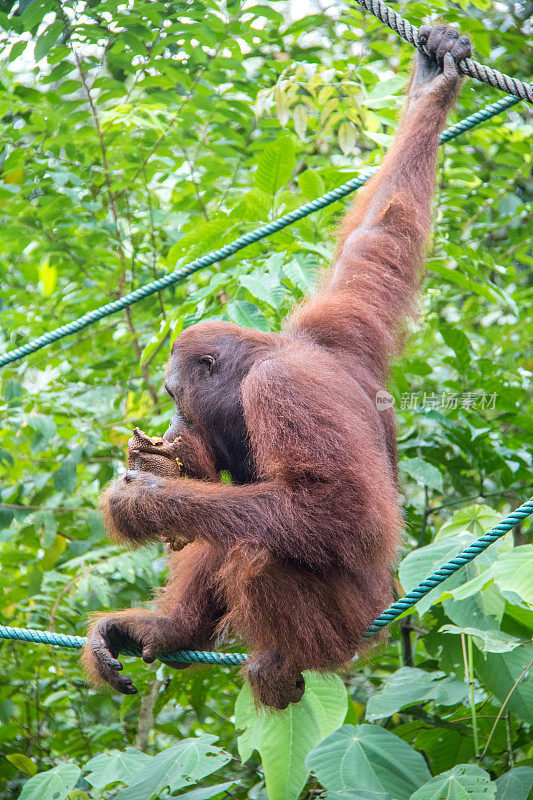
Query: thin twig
(513, 687)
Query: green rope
(179, 275)
(391, 613)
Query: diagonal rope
(387, 616)
(179, 275)
(409, 32)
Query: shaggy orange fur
(295, 554)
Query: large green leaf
(247, 314)
(264, 287)
(423, 472)
(483, 609)
(358, 794)
(368, 757)
(515, 784)
(302, 271)
(513, 572)
(181, 765)
(408, 686)
(107, 768)
(476, 519)
(420, 563)
(54, 784)
(490, 641)
(283, 739)
(275, 166)
(500, 673)
(463, 782)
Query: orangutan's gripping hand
(436, 74)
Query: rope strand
(387, 616)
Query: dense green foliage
(134, 138)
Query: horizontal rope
(207, 260)
(391, 613)
(409, 32)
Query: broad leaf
(417, 565)
(408, 686)
(357, 794)
(476, 519)
(515, 784)
(54, 784)
(185, 763)
(513, 572)
(107, 768)
(283, 739)
(489, 641)
(302, 271)
(368, 757)
(247, 314)
(463, 782)
(276, 165)
(423, 472)
(505, 673)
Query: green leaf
(35, 11)
(12, 390)
(186, 762)
(488, 641)
(264, 287)
(302, 271)
(275, 166)
(47, 39)
(357, 794)
(22, 762)
(368, 757)
(408, 686)
(54, 784)
(510, 674)
(383, 139)
(300, 119)
(476, 519)
(515, 784)
(44, 425)
(471, 587)
(346, 137)
(284, 739)
(423, 472)
(247, 314)
(65, 478)
(107, 768)
(463, 782)
(311, 184)
(206, 792)
(455, 276)
(420, 563)
(458, 342)
(513, 572)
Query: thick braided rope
(179, 275)
(455, 563)
(516, 87)
(391, 613)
